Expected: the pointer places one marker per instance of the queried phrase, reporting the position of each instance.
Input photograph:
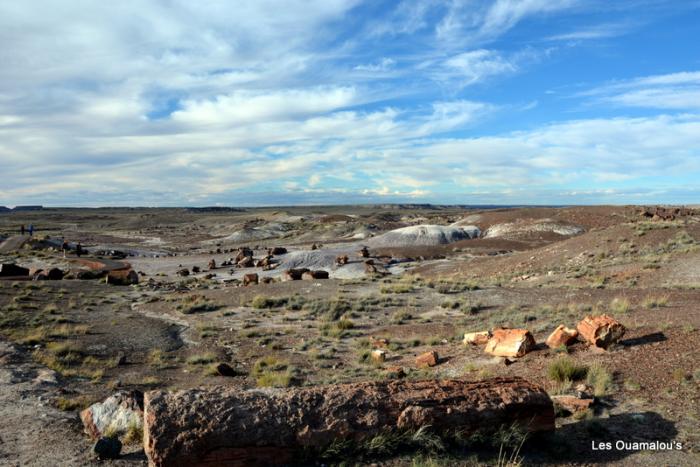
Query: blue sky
(261, 102)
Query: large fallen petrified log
(230, 427)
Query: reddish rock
(510, 342)
(571, 404)
(246, 262)
(427, 359)
(212, 264)
(561, 336)
(313, 275)
(293, 274)
(278, 250)
(378, 355)
(250, 279)
(228, 426)
(341, 260)
(476, 338)
(267, 280)
(379, 342)
(122, 277)
(600, 331)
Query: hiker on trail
(78, 250)
(64, 247)
(31, 229)
(21, 229)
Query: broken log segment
(227, 426)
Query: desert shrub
(655, 301)
(599, 379)
(260, 302)
(196, 304)
(566, 369)
(201, 359)
(272, 372)
(620, 305)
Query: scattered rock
(341, 260)
(107, 448)
(224, 369)
(476, 338)
(250, 279)
(600, 331)
(561, 336)
(378, 355)
(183, 272)
(293, 274)
(278, 250)
(117, 414)
(12, 270)
(364, 252)
(510, 342)
(395, 372)
(313, 275)
(427, 359)
(571, 404)
(212, 264)
(379, 342)
(122, 277)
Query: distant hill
(28, 208)
(4, 209)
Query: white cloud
(679, 91)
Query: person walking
(64, 247)
(31, 229)
(21, 229)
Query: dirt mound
(526, 228)
(424, 235)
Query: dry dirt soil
(66, 344)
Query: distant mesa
(5, 209)
(28, 207)
(216, 209)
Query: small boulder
(476, 338)
(561, 336)
(183, 272)
(54, 274)
(107, 448)
(313, 275)
(224, 369)
(379, 342)
(427, 359)
(600, 331)
(378, 356)
(571, 404)
(510, 342)
(122, 277)
(293, 274)
(250, 279)
(278, 250)
(212, 264)
(116, 414)
(12, 270)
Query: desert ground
(434, 274)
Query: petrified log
(600, 331)
(229, 427)
(510, 342)
(561, 336)
(250, 279)
(122, 277)
(293, 274)
(11, 270)
(476, 338)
